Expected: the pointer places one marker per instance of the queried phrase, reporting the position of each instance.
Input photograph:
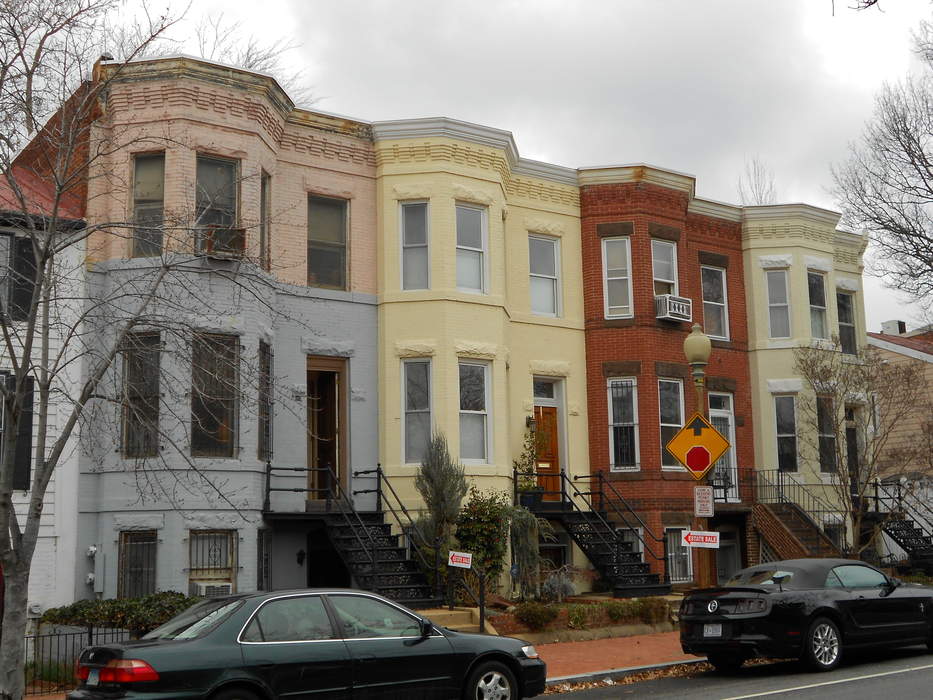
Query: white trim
(817, 273)
(637, 172)
(611, 424)
(818, 264)
(680, 383)
(847, 284)
(605, 278)
(486, 413)
(733, 494)
(484, 251)
(725, 301)
(675, 290)
(401, 242)
(404, 398)
(715, 209)
(785, 386)
(768, 212)
(768, 262)
(556, 279)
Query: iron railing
(50, 658)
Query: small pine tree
(442, 485)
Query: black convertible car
(810, 609)
(303, 644)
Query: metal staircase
(906, 519)
(799, 511)
(595, 522)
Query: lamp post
(697, 349)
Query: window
(845, 309)
(715, 307)
(817, 291)
(216, 202)
(137, 564)
(141, 374)
(415, 258)
(474, 413)
(264, 413)
(471, 248)
(265, 209)
(664, 266)
(417, 409)
(785, 411)
(292, 619)
(623, 424)
(617, 277)
(327, 242)
(212, 555)
(214, 391)
(148, 204)
(679, 559)
(778, 305)
(544, 282)
(855, 576)
(725, 478)
(363, 617)
(825, 428)
(17, 276)
(671, 403)
(22, 459)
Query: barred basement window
(264, 442)
(214, 391)
(212, 557)
(141, 395)
(136, 574)
(623, 425)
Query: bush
(139, 615)
(577, 616)
(619, 610)
(651, 611)
(483, 529)
(536, 616)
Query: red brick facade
(646, 348)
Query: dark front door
(390, 658)
(548, 452)
(327, 426)
(291, 644)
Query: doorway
(326, 420)
(728, 556)
(725, 477)
(548, 429)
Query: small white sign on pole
(703, 502)
(699, 538)
(463, 560)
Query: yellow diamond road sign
(698, 445)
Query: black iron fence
(50, 657)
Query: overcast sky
(696, 86)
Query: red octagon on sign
(697, 458)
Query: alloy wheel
(825, 644)
(493, 686)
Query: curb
(617, 672)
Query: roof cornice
(445, 127)
(712, 208)
(776, 212)
(637, 172)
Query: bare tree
(850, 413)
(756, 185)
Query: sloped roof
(39, 195)
(916, 344)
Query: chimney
(893, 327)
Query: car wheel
(235, 693)
(491, 681)
(725, 663)
(823, 645)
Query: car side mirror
(426, 627)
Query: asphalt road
(879, 675)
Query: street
(902, 673)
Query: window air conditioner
(671, 308)
(210, 589)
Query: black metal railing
(50, 658)
(900, 500)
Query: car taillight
(121, 671)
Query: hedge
(139, 615)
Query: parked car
(308, 643)
(811, 609)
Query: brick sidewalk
(571, 658)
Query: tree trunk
(12, 644)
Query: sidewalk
(573, 658)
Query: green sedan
(317, 643)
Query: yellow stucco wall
(449, 325)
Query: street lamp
(697, 349)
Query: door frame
(558, 403)
(339, 366)
(734, 494)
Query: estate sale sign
(463, 560)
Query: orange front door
(548, 452)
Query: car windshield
(196, 620)
(761, 577)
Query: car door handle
(365, 657)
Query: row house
(337, 290)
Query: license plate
(712, 630)
(93, 677)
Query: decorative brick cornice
(640, 172)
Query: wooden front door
(548, 452)
(327, 438)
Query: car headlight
(530, 652)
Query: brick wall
(778, 537)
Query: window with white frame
(826, 434)
(417, 409)
(617, 277)
(212, 555)
(471, 248)
(785, 414)
(679, 559)
(845, 310)
(623, 424)
(415, 260)
(544, 271)
(671, 409)
(664, 266)
(778, 304)
(816, 286)
(474, 412)
(715, 304)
